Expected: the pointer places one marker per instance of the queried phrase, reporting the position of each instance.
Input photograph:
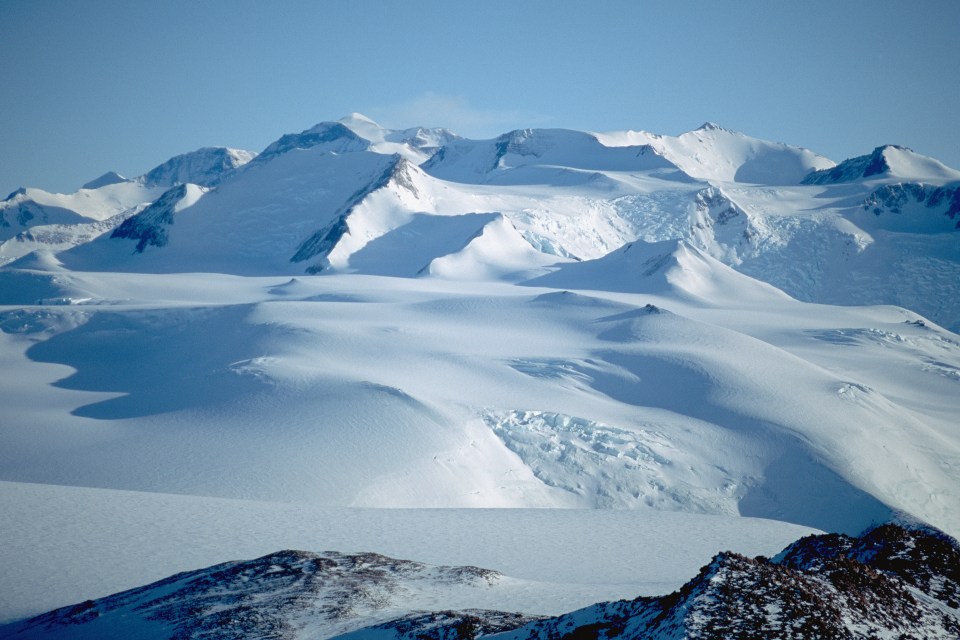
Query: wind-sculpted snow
(795, 426)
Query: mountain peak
(205, 167)
(886, 161)
(110, 177)
(335, 136)
(22, 191)
(710, 126)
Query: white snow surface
(717, 154)
(64, 544)
(551, 322)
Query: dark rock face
(449, 625)
(893, 197)
(853, 169)
(922, 557)
(288, 594)
(149, 227)
(893, 581)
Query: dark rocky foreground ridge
(894, 581)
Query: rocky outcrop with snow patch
(19, 211)
(288, 594)
(149, 227)
(888, 161)
(898, 199)
(329, 136)
(824, 595)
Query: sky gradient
(105, 85)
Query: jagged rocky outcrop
(446, 625)
(896, 197)
(874, 164)
(896, 581)
(893, 581)
(288, 594)
(149, 227)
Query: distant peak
(710, 126)
(334, 128)
(22, 191)
(206, 166)
(110, 177)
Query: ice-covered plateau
(709, 329)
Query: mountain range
(360, 318)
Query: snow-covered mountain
(872, 230)
(33, 219)
(888, 161)
(360, 317)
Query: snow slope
(354, 360)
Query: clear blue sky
(123, 85)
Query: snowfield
(588, 362)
